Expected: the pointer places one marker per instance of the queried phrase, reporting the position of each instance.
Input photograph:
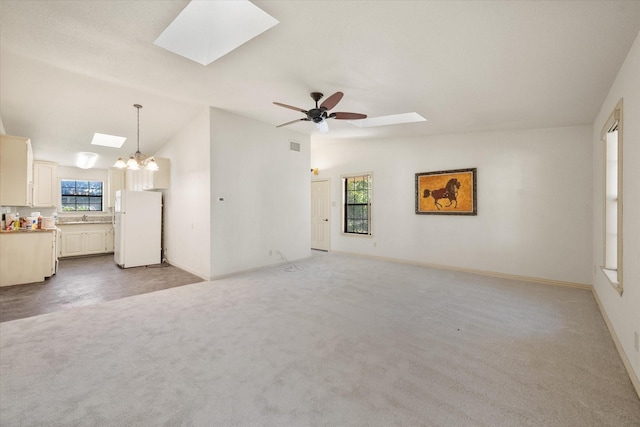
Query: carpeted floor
(333, 340)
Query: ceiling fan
(320, 114)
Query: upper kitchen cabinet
(16, 171)
(115, 181)
(137, 180)
(45, 177)
(158, 180)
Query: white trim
(343, 202)
(282, 263)
(105, 196)
(188, 270)
(474, 271)
(612, 276)
(328, 180)
(614, 121)
(625, 361)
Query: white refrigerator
(137, 227)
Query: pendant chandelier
(137, 160)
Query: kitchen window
(81, 195)
(357, 204)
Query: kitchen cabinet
(158, 180)
(16, 171)
(149, 180)
(115, 181)
(27, 256)
(45, 178)
(85, 239)
(95, 242)
(110, 240)
(71, 243)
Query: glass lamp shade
(120, 163)
(152, 165)
(323, 126)
(132, 163)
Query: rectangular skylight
(108, 140)
(207, 30)
(393, 119)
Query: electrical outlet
(636, 341)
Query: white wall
(70, 172)
(186, 204)
(622, 311)
(266, 194)
(534, 200)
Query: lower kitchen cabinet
(27, 256)
(85, 239)
(71, 243)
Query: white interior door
(320, 215)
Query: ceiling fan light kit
(320, 114)
(137, 160)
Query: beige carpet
(332, 341)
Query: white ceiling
(72, 68)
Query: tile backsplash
(78, 218)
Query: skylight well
(207, 30)
(393, 119)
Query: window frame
(344, 181)
(613, 123)
(76, 180)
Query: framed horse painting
(451, 192)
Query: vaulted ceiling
(72, 68)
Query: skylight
(393, 119)
(207, 30)
(108, 140)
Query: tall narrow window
(80, 195)
(357, 204)
(612, 140)
(611, 201)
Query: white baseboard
(623, 356)
(616, 341)
(187, 269)
(250, 270)
(473, 271)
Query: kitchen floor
(85, 281)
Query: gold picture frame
(450, 192)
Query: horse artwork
(433, 189)
(450, 191)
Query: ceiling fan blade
(293, 121)
(348, 116)
(291, 107)
(332, 101)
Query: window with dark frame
(81, 195)
(357, 204)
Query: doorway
(320, 215)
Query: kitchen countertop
(25, 230)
